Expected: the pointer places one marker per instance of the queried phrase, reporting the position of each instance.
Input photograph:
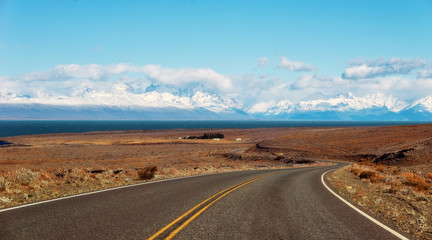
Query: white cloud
(375, 68)
(176, 77)
(183, 76)
(249, 89)
(308, 81)
(69, 71)
(294, 66)
(424, 73)
(262, 62)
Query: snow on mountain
(349, 102)
(213, 102)
(271, 108)
(424, 104)
(123, 96)
(163, 102)
(340, 103)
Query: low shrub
(365, 161)
(355, 170)
(380, 168)
(366, 174)
(391, 189)
(414, 180)
(4, 184)
(212, 135)
(25, 176)
(372, 176)
(147, 173)
(429, 175)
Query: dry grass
(4, 184)
(366, 172)
(25, 185)
(25, 176)
(397, 195)
(416, 181)
(391, 176)
(380, 168)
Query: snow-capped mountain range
(340, 103)
(124, 102)
(347, 107)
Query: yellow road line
(177, 230)
(230, 189)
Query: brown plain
(408, 146)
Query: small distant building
(238, 139)
(216, 139)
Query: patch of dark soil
(232, 156)
(369, 157)
(298, 161)
(304, 161)
(96, 171)
(392, 158)
(259, 147)
(248, 157)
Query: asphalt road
(268, 204)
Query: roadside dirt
(394, 196)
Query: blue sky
(227, 37)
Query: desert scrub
(5, 199)
(414, 180)
(367, 172)
(147, 173)
(4, 184)
(380, 168)
(372, 176)
(25, 176)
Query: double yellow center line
(188, 217)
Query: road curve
(264, 204)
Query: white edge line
(103, 190)
(120, 187)
(400, 236)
